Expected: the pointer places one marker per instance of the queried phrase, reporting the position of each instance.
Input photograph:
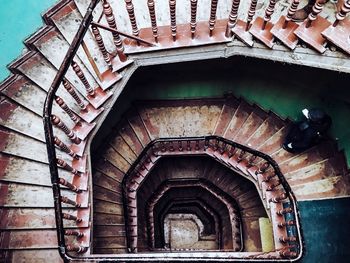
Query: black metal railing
(49, 134)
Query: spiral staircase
(213, 167)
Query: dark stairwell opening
(266, 83)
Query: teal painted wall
(18, 20)
(326, 230)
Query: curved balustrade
(88, 103)
(258, 167)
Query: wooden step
(336, 186)
(138, 127)
(107, 207)
(119, 145)
(20, 119)
(107, 168)
(316, 154)
(227, 112)
(107, 195)
(23, 195)
(36, 68)
(252, 123)
(129, 136)
(27, 255)
(67, 20)
(101, 231)
(52, 45)
(106, 182)
(24, 92)
(273, 144)
(267, 129)
(32, 218)
(331, 167)
(27, 218)
(22, 146)
(109, 242)
(28, 239)
(242, 113)
(12, 167)
(116, 159)
(196, 119)
(107, 219)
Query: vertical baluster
(339, 32)
(131, 13)
(102, 46)
(278, 198)
(80, 74)
(212, 19)
(316, 10)
(286, 223)
(179, 143)
(251, 13)
(65, 107)
(268, 13)
(76, 233)
(75, 96)
(285, 27)
(61, 125)
(162, 146)
(67, 167)
(272, 186)
(288, 254)
(340, 16)
(152, 14)
(172, 6)
(232, 19)
(71, 217)
(189, 146)
(65, 148)
(310, 31)
(66, 200)
(284, 211)
(241, 28)
(197, 145)
(171, 146)
(108, 11)
(69, 185)
(193, 22)
(241, 156)
(284, 239)
(268, 177)
(262, 169)
(76, 248)
(291, 11)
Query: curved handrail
(244, 148)
(49, 136)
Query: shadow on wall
(284, 89)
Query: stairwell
(90, 193)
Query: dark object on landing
(307, 133)
(302, 13)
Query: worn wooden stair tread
(25, 92)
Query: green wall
(18, 20)
(284, 89)
(326, 230)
